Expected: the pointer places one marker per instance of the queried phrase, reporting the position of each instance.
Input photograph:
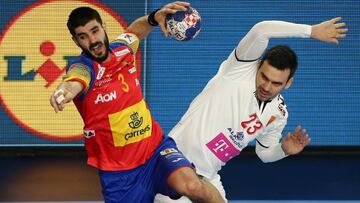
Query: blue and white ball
(184, 25)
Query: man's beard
(102, 58)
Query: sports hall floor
(62, 176)
(232, 201)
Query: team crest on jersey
(236, 137)
(32, 66)
(135, 120)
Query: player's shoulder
(80, 62)
(126, 40)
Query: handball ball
(184, 25)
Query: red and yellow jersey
(120, 133)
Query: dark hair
(80, 16)
(281, 57)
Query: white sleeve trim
(270, 154)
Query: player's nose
(267, 86)
(92, 39)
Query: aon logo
(106, 97)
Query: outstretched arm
(65, 93)
(75, 82)
(255, 42)
(141, 26)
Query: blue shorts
(141, 184)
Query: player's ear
(288, 83)
(104, 25)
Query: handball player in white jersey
(242, 102)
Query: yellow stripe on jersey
(79, 72)
(130, 39)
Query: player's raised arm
(252, 46)
(255, 42)
(144, 25)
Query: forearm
(71, 89)
(64, 93)
(255, 42)
(270, 154)
(140, 27)
(282, 29)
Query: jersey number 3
(251, 125)
(125, 86)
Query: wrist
(313, 32)
(284, 150)
(151, 18)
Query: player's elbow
(263, 158)
(262, 28)
(262, 155)
(193, 189)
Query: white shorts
(216, 181)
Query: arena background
(42, 158)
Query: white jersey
(226, 115)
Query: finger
(303, 131)
(308, 140)
(342, 30)
(288, 136)
(163, 29)
(58, 92)
(334, 40)
(297, 129)
(300, 139)
(339, 25)
(175, 7)
(54, 104)
(334, 20)
(303, 138)
(340, 35)
(167, 11)
(60, 99)
(182, 3)
(62, 105)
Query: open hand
(295, 143)
(65, 93)
(329, 31)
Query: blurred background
(41, 153)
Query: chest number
(251, 125)
(125, 86)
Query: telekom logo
(222, 148)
